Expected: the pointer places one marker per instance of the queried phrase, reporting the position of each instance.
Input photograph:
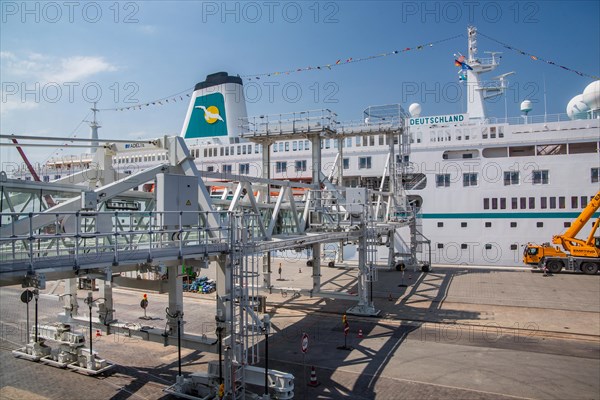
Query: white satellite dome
(415, 110)
(591, 95)
(577, 109)
(526, 106)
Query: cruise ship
(483, 187)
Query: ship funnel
(217, 108)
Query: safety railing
(87, 237)
(290, 123)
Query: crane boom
(584, 217)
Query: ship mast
(94, 130)
(477, 90)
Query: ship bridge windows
(585, 147)
(300, 165)
(364, 162)
(244, 169)
(540, 177)
(346, 163)
(460, 154)
(348, 142)
(280, 144)
(287, 146)
(470, 179)
(442, 180)
(227, 168)
(511, 178)
(280, 166)
(595, 172)
(295, 145)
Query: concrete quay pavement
(456, 332)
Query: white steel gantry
(104, 227)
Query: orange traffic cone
(360, 334)
(313, 378)
(98, 333)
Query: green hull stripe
(568, 215)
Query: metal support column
(70, 298)
(105, 309)
(223, 292)
(266, 174)
(365, 305)
(315, 143)
(175, 289)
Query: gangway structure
(104, 226)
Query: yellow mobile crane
(578, 255)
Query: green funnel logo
(208, 117)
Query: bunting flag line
(538, 58)
(174, 98)
(349, 60)
(179, 96)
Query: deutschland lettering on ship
(442, 119)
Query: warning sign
(188, 203)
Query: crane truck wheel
(589, 268)
(555, 266)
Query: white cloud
(77, 68)
(11, 104)
(36, 67)
(147, 29)
(7, 55)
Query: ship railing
(485, 61)
(493, 84)
(365, 127)
(530, 119)
(77, 239)
(289, 123)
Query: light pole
(89, 301)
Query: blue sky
(54, 57)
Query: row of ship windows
(513, 224)
(140, 158)
(523, 203)
(300, 145)
(488, 224)
(282, 166)
(538, 177)
(446, 135)
(295, 145)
